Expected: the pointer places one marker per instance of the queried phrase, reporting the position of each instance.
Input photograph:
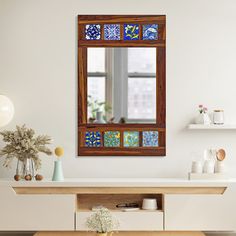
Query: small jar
(218, 117)
(219, 167)
(196, 167)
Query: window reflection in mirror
(121, 85)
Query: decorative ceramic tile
(93, 139)
(131, 139)
(150, 32)
(131, 31)
(93, 32)
(112, 139)
(150, 138)
(112, 32)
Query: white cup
(149, 204)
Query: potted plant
(203, 117)
(99, 111)
(102, 222)
(25, 146)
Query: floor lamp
(6, 110)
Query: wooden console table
(63, 207)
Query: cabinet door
(201, 212)
(35, 212)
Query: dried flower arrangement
(23, 144)
(102, 221)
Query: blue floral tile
(150, 32)
(150, 138)
(93, 139)
(93, 32)
(112, 139)
(112, 32)
(131, 139)
(131, 31)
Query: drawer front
(129, 221)
(36, 212)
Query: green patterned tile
(131, 139)
(112, 139)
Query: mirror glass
(121, 85)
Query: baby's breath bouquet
(23, 145)
(102, 221)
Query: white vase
(203, 118)
(99, 118)
(209, 167)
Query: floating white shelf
(206, 176)
(212, 126)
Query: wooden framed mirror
(121, 85)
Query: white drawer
(129, 221)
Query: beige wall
(38, 71)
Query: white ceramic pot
(220, 167)
(149, 204)
(203, 118)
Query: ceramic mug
(149, 204)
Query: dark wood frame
(160, 124)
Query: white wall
(38, 71)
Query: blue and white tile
(93, 32)
(150, 32)
(150, 138)
(112, 32)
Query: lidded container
(218, 117)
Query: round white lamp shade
(6, 110)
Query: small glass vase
(25, 169)
(203, 118)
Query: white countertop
(121, 182)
